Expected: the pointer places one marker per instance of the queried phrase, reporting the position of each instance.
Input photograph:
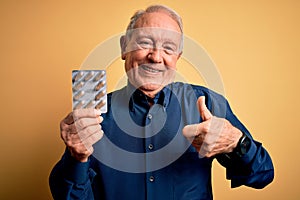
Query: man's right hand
(80, 130)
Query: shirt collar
(162, 97)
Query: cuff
(247, 158)
(75, 171)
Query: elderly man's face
(152, 52)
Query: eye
(170, 48)
(145, 43)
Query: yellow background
(255, 45)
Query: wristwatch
(243, 145)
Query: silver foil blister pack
(89, 89)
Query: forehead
(158, 20)
(156, 33)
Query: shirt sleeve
(255, 168)
(71, 179)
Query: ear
(123, 44)
(179, 55)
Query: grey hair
(151, 9)
(155, 8)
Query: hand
(213, 135)
(80, 130)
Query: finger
(86, 122)
(204, 112)
(202, 152)
(68, 129)
(71, 139)
(92, 139)
(88, 131)
(70, 136)
(68, 119)
(86, 113)
(198, 142)
(190, 131)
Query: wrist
(238, 139)
(243, 145)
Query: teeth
(150, 69)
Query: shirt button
(150, 146)
(149, 116)
(151, 178)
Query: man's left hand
(213, 135)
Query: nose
(155, 55)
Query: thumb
(204, 112)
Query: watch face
(245, 144)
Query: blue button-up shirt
(143, 154)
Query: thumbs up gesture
(213, 135)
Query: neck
(148, 91)
(151, 94)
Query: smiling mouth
(150, 69)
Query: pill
(89, 89)
(79, 105)
(99, 76)
(100, 104)
(90, 104)
(99, 95)
(78, 95)
(78, 76)
(100, 85)
(89, 76)
(78, 86)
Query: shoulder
(215, 102)
(198, 90)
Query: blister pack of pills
(89, 89)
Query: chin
(151, 87)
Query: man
(158, 138)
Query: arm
(72, 176)
(218, 135)
(71, 179)
(255, 168)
